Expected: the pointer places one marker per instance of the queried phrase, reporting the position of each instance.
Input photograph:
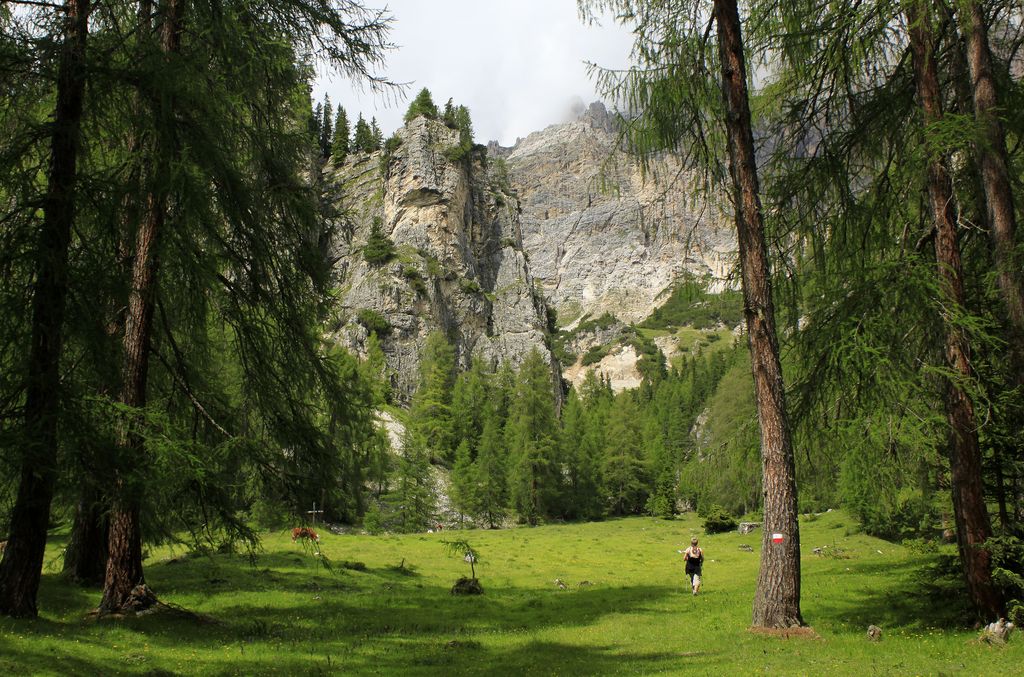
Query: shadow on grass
(418, 657)
(282, 617)
(924, 596)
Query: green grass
(698, 341)
(652, 333)
(284, 615)
(690, 304)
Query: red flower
(304, 532)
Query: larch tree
(861, 192)
(182, 119)
(124, 563)
(993, 161)
(622, 463)
(691, 96)
(430, 413)
(217, 122)
(530, 436)
(971, 514)
(490, 473)
(21, 566)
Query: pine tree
(430, 414)
(531, 437)
(464, 124)
(448, 116)
(362, 138)
(376, 135)
(581, 449)
(326, 127)
(464, 481)
(423, 104)
(471, 401)
(379, 248)
(622, 468)
(316, 125)
(412, 500)
(661, 468)
(491, 474)
(340, 138)
(375, 371)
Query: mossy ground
(284, 614)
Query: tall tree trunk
(993, 161)
(21, 567)
(777, 600)
(85, 560)
(969, 511)
(995, 175)
(124, 566)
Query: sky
(518, 65)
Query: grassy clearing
(285, 615)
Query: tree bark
(124, 566)
(85, 560)
(994, 164)
(969, 511)
(21, 566)
(777, 600)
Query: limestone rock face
(619, 367)
(601, 235)
(459, 266)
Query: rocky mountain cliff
(484, 242)
(458, 266)
(599, 233)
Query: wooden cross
(314, 512)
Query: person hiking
(694, 558)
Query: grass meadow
(283, 613)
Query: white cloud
(515, 65)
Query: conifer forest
(232, 308)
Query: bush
(456, 154)
(373, 520)
(595, 355)
(605, 321)
(551, 319)
(434, 268)
(415, 280)
(379, 248)
(717, 520)
(500, 176)
(374, 322)
(1008, 572)
(392, 144)
(470, 286)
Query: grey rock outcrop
(459, 266)
(600, 233)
